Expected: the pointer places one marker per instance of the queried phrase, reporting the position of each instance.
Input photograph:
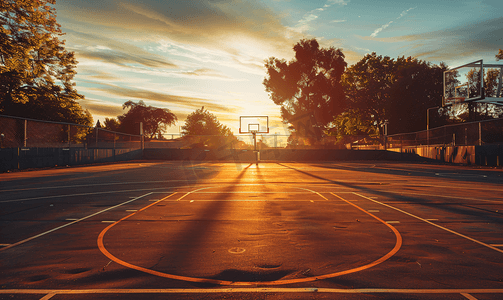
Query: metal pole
(480, 134)
(255, 147)
(25, 131)
(141, 135)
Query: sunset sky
(186, 54)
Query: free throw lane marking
(431, 223)
(102, 248)
(71, 223)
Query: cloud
(340, 2)
(175, 100)
(378, 30)
(405, 12)
(207, 23)
(304, 24)
(374, 34)
(476, 39)
(100, 108)
(123, 59)
(205, 72)
(248, 60)
(113, 51)
(337, 21)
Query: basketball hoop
(254, 125)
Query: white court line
(89, 185)
(48, 296)
(82, 194)
(431, 223)
(468, 296)
(71, 223)
(454, 197)
(253, 290)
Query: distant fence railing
(16, 132)
(462, 134)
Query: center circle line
(395, 249)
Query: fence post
(453, 139)
(25, 132)
(480, 134)
(96, 137)
(141, 136)
(69, 136)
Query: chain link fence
(463, 134)
(18, 132)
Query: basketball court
(184, 230)
(261, 230)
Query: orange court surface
(276, 230)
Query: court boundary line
(83, 194)
(431, 223)
(444, 196)
(71, 223)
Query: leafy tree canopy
(400, 91)
(155, 120)
(111, 124)
(203, 129)
(499, 55)
(309, 85)
(36, 71)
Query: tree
(499, 55)
(418, 86)
(381, 89)
(308, 87)
(36, 71)
(351, 123)
(491, 82)
(154, 120)
(474, 83)
(111, 124)
(202, 129)
(367, 86)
